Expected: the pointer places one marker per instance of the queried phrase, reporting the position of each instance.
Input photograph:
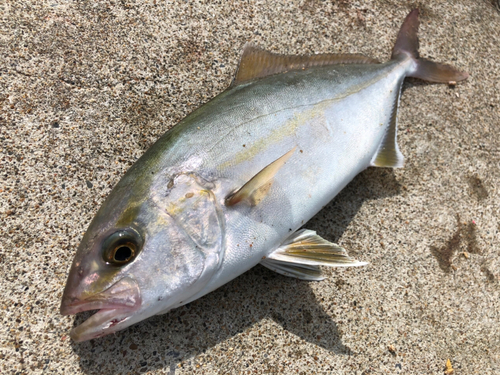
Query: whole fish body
(231, 184)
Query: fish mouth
(115, 304)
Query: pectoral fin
(257, 188)
(306, 248)
(299, 271)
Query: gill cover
(190, 202)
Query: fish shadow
(248, 305)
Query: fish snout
(123, 295)
(72, 291)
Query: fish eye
(123, 253)
(121, 247)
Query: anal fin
(388, 154)
(306, 248)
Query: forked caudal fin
(407, 46)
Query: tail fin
(407, 45)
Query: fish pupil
(123, 253)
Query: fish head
(144, 254)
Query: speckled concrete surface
(86, 87)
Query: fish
(232, 184)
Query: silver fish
(231, 184)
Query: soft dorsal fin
(306, 248)
(258, 63)
(257, 188)
(388, 154)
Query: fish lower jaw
(103, 322)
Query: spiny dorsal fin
(305, 247)
(388, 154)
(258, 63)
(257, 188)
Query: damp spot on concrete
(445, 253)
(489, 275)
(465, 234)
(477, 187)
(470, 236)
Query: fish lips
(115, 304)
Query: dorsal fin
(257, 188)
(258, 63)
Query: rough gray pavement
(87, 86)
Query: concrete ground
(86, 87)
